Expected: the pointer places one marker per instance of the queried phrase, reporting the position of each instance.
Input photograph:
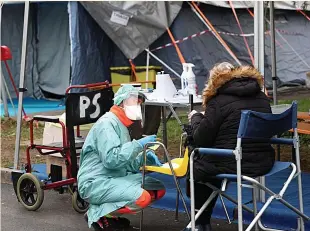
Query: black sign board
(85, 108)
(88, 107)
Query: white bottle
(184, 77)
(191, 79)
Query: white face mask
(133, 112)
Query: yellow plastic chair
(177, 168)
(180, 166)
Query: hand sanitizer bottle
(191, 79)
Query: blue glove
(143, 141)
(152, 159)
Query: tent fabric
(93, 52)
(283, 5)
(11, 36)
(53, 57)
(48, 54)
(205, 51)
(91, 49)
(133, 26)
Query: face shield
(134, 106)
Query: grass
(303, 104)
(8, 130)
(8, 136)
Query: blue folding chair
(256, 126)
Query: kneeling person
(109, 178)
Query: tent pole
(273, 54)
(21, 85)
(162, 62)
(261, 27)
(259, 58)
(259, 36)
(147, 68)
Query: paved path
(56, 214)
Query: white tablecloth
(177, 101)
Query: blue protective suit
(108, 177)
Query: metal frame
(64, 149)
(162, 62)
(254, 184)
(21, 85)
(173, 174)
(259, 59)
(178, 194)
(273, 54)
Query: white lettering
(95, 102)
(84, 104)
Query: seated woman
(229, 90)
(108, 177)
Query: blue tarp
(277, 215)
(33, 106)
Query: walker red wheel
(29, 192)
(78, 203)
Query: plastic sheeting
(133, 26)
(48, 53)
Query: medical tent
(78, 42)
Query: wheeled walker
(84, 104)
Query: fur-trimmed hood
(219, 79)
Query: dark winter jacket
(225, 96)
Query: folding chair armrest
(51, 119)
(215, 152)
(286, 141)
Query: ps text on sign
(85, 104)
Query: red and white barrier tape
(304, 14)
(220, 32)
